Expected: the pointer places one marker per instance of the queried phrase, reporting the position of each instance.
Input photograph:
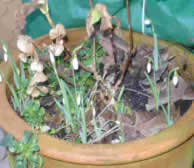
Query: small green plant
(153, 82)
(21, 83)
(32, 113)
(26, 151)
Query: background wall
(8, 10)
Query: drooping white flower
(93, 112)
(175, 78)
(117, 122)
(75, 63)
(149, 67)
(25, 44)
(147, 22)
(1, 78)
(44, 128)
(115, 141)
(5, 56)
(51, 53)
(36, 66)
(78, 99)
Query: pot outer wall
(180, 156)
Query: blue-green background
(173, 19)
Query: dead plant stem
(91, 4)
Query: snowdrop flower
(93, 112)
(115, 141)
(75, 63)
(117, 122)
(44, 128)
(51, 53)
(149, 67)
(78, 99)
(36, 66)
(5, 56)
(175, 78)
(25, 44)
(147, 22)
(1, 78)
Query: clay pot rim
(97, 154)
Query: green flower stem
(169, 96)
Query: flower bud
(175, 78)
(1, 78)
(75, 63)
(149, 67)
(78, 99)
(5, 56)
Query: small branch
(85, 68)
(129, 25)
(50, 21)
(138, 92)
(91, 4)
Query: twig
(91, 4)
(129, 53)
(85, 68)
(129, 25)
(138, 92)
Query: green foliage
(26, 151)
(32, 113)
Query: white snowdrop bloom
(5, 56)
(44, 128)
(115, 141)
(175, 78)
(93, 112)
(75, 63)
(51, 53)
(147, 22)
(78, 99)
(149, 67)
(36, 66)
(117, 122)
(1, 78)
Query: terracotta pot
(171, 148)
